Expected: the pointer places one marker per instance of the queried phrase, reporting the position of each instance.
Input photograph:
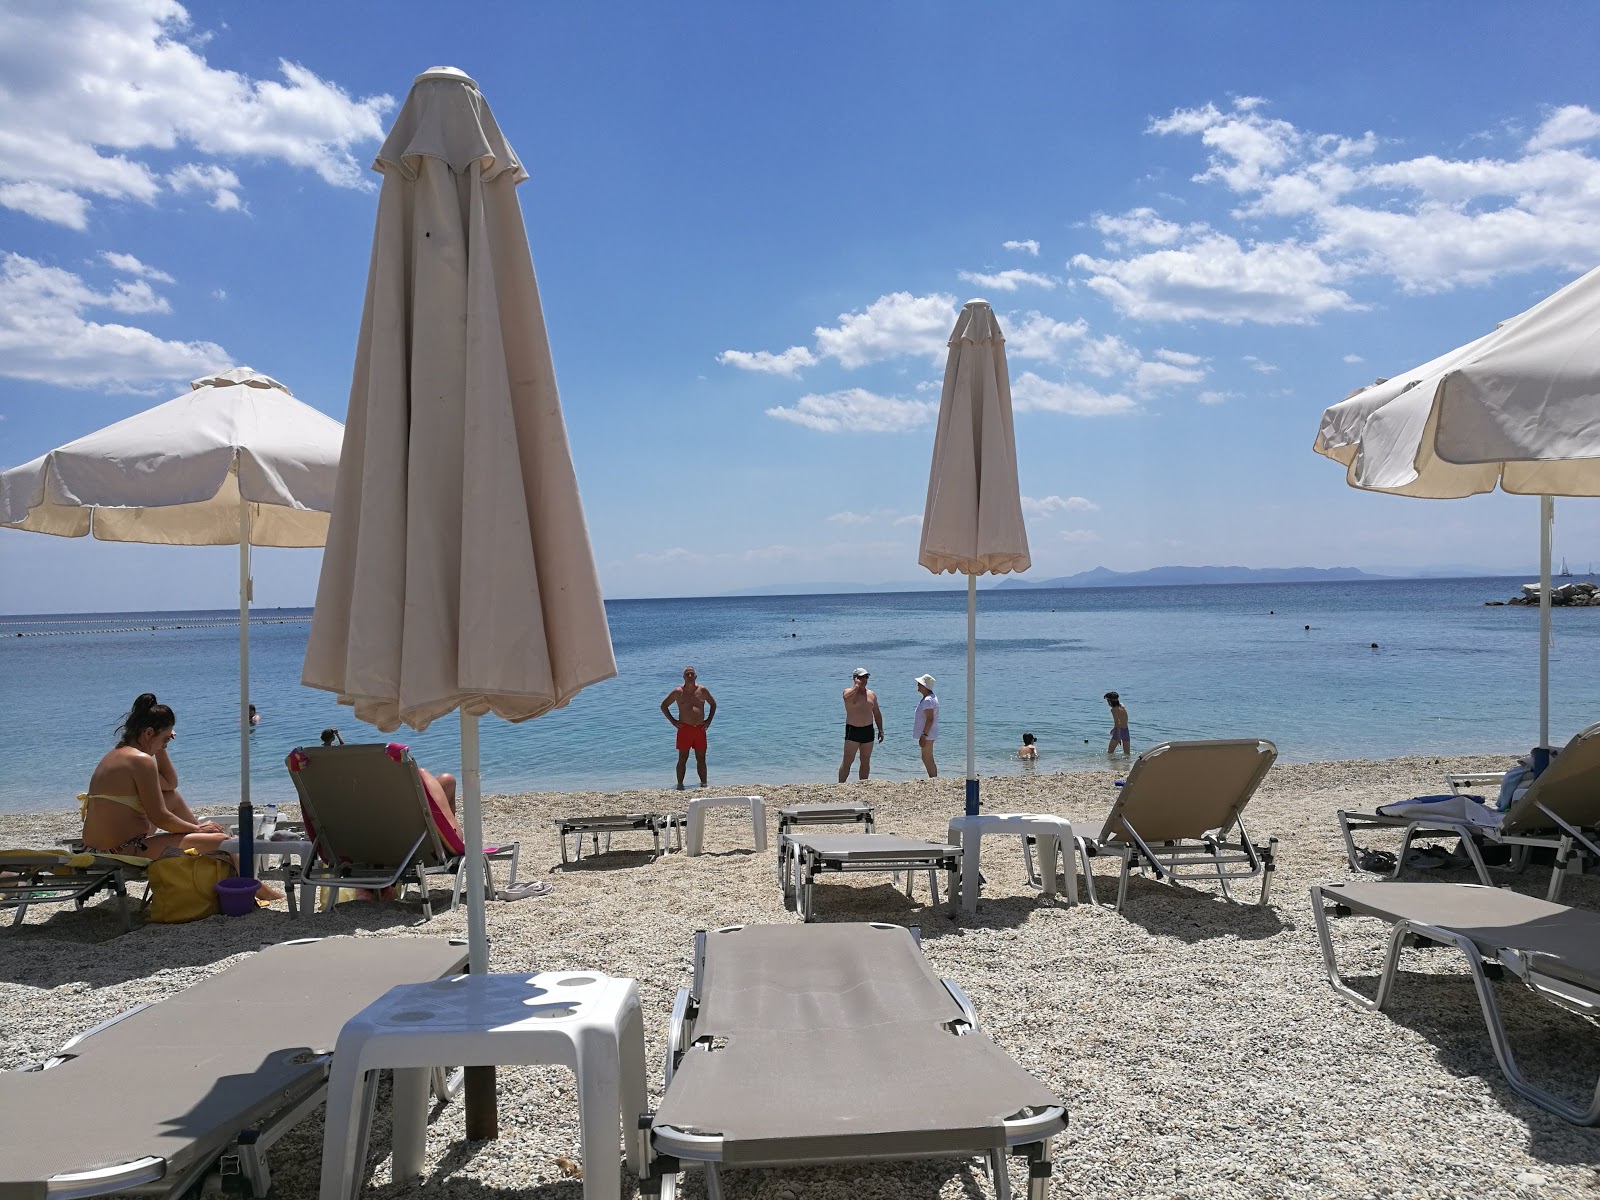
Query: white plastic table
(695, 837)
(579, 1019)
(1053, 834)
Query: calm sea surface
(1448, 676)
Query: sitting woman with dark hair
(133, 805)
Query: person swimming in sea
(1119, 726)
(1028, 750)
(133, 805)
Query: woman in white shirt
(925, 725)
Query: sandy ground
(1196, 1042)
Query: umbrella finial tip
(447, 75)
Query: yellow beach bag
(183, 887)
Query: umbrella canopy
(1517, 409)
(175, 474)
(237, 460)
(458, 573)
(972, 523)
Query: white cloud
(129, 265)
(1354, 358)
(1036, 336)
(222, 183)
(1323, 212)
(1079, 535)
(1261, 365)
(889, 327)
(1107, 356)
(1048, 506)
(1213, 397)
(1216, 278)
(1030, 393)
(673, 554)
(1028, 247)
(46, 336)
(219, 293)
(856, 410)
(909, 519)
(1153, 376)
(1564, 126)
(787, 363)
(92, 87)
(1007, 281)
(851, 518)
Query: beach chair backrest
(366, 804)
(1569, 787)
(1183, 790)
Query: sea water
(1447, 676)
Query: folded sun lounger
(1559, 811)
(804, 1045)
(802, 857)
(609, 823)
(1174, 814)
(1552, 949)
(29, 877)
(372, 820)
(152, 1099)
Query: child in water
(1119, 726)
(1028, 750)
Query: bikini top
(132, 802)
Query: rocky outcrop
(1568, 595)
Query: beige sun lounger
(151, 1100)
(1553, 949)
(802, 1045)
(1559, 811)
(368, 812)
(1176, 810)
(30, 877)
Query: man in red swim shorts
(696, 708)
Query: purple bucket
(237, 896)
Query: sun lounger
(151, 1100)
(803, 1045)
(610, 823)
(801, 858)
(1559, 811)
(1552, 949)
(1174, 814)
(371, 818)
(29, 877)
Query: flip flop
(522, 891)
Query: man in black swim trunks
(860, 715)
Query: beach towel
(1450, 807)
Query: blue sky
(753, 226)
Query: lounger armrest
(105, 1181)
(676, 1030)
(61, 1055)
(969, 1013)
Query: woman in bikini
(133, 806)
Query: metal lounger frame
(799, 865)
(608, 824)
(1216, 857)
(25, 882)
(665, 1148)
(787, 824)
(1525, 967)
(1572, 845)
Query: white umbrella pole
(1547, 516)
(482, 1111)
(244, 649)
(972, 694)
(472, 830)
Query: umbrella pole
(247, 858)
(483, 1120)
(1547, 517)
(972, 693)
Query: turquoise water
(1449, 676)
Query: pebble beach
(1196, 1042)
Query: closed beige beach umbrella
(1517, 409)
(973, 519)
(236, 460)
(458, 574)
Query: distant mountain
(836, 588)
(1159, 576)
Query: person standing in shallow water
(696, 708)
(1119, 726)
(926, 723)
(861, 715)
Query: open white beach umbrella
(458, 574)
(236, 460)
(973, 520)
(1517, 409)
